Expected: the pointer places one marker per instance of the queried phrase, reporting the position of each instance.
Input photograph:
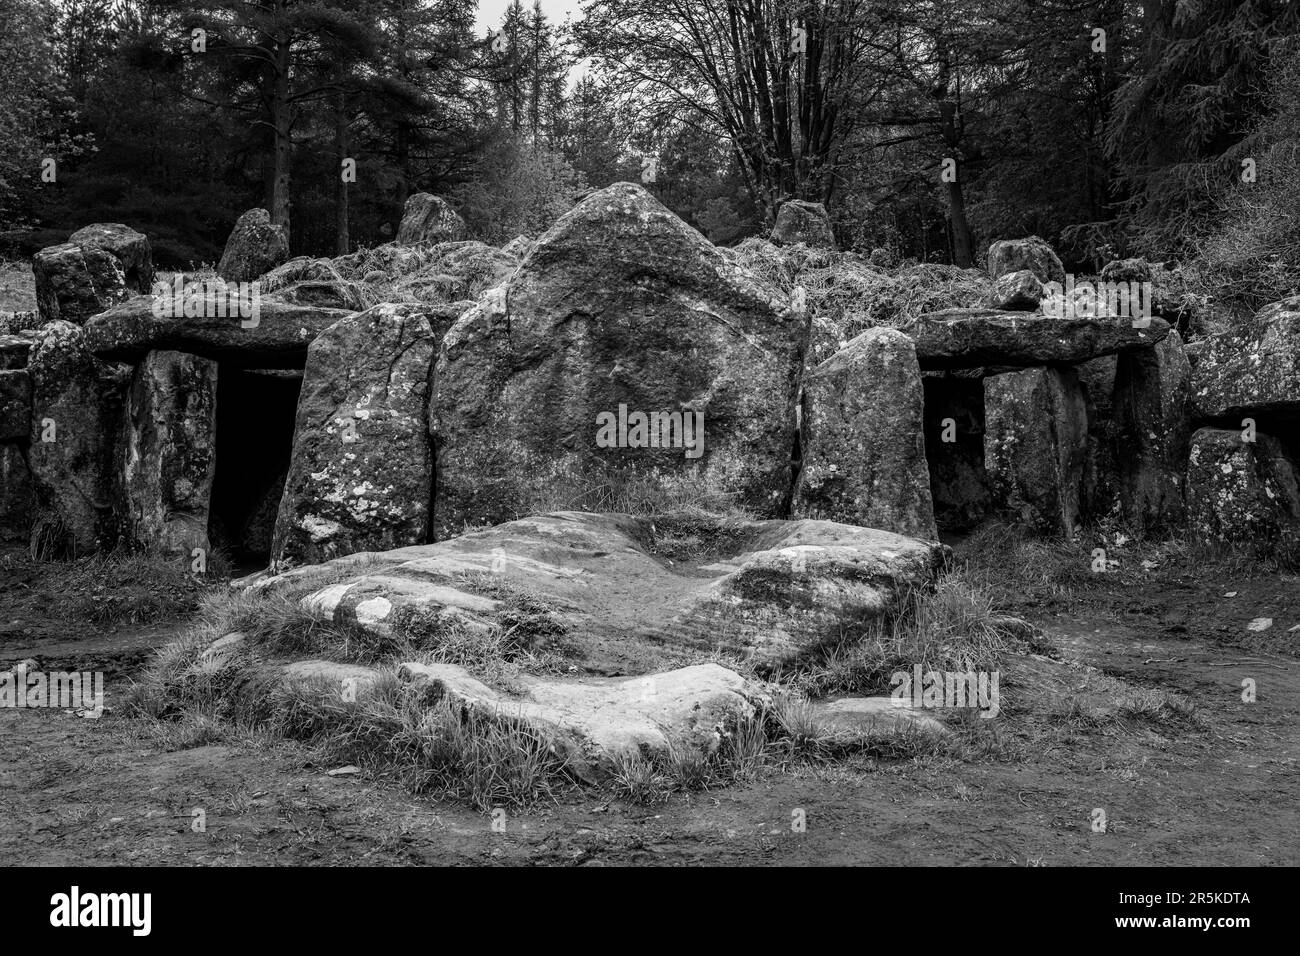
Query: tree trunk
(281, 124)
(963, 253)
(341, 238)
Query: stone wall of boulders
(448, 384)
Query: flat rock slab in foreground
(591, 720)
(279, 340)
(774, 592)
(968, 338)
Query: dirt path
(1221, 790)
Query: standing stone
(254, 248)
(17, 500)
(1242, 492)
(1019, 291)
(130, 248)
(1152, 390)
(77, 404)
(623, 328)
(74, 282)
(15, 404)
(863, 447)
(361, 474)
(1037, 444)
(1012, 255)
(806, 222)
(954, 449)
(1253, 370)
(169, 452)
(428, 218)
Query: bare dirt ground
(1221, 788)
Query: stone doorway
(255, 421)
(959, 482)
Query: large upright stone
(1152, 428)
(806, 222)
(1036, 445)
(1012, 255)
(75, 282)
(77, 404)
(169, 452)
(130, 248)
(17, 500)
(863, 447)
(595, 363)
(1242, 492)
(255, 247)
(1254, 370)
(427, 218)
(361, 473)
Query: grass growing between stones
(954, 627)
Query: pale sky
(491, 11)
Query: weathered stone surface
(1036, 446)
(592, 721)
(169, 453)
(14, 349)
(77, 404)
(130, 248)
(17, 499)
(254, 248)
(279, 339)
(1252, 371)
(969, 338)
(361, 473)
(1020, 291)
(863, 449)
(74, 282)
(778, 590)
(806, 222)
(1152, 388)
(1012, 255)
(15, 404)
(872, 715)
(1242, 492)
(621, 311)
(427, 218)
(954, 450)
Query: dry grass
(848, 294)
(427, 274)
(954, 627)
